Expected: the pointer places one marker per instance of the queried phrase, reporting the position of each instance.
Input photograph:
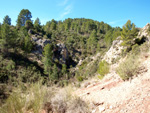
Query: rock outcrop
(39, 44)
(115, 51)
(144, 32)
(60, 51)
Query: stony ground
(112, 95)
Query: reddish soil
(112, 95)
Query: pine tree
(5, 37)
(7, 20)
(47, 59)
(37, 24)
(23, 16)
(128, 33)
(64, 69)
(54, 75)
(27, 45)
(0, 31)
(28, 24)
(92, 42)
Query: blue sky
(113, 12)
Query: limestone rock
(60, 52)
(39, 44)
(144, 32)
(115, 51)
(101, 109)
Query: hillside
(112, 94)
(73, 66)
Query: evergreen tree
(92, 42)
(54, 75)
(22, 33)
(129, 31)
(64, 69)
(37, 24)
(5, 32)
(53, 25)
(7, 20)
(29, 24)
(23, 16)
(47, 59)
(27, 45)
(0, 30)
(109, 37)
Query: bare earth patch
(112, 95)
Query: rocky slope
(112, 94)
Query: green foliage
(128, 33)
(92, 42)
(10, 65)
(28, 24)
(0, 31)
(28, 44)
(47, 59)
(37, 22)
(37, 25)
(7, 20)
(103, 68)
(83, 65)
(100, 77)
(27, 100)
(63, 83)
(111, 35)
(79, 78)
(64, 71)
(54, 75)
(23, 16)
(129, 67)
(8, 37)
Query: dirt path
(112, 95)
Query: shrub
(77, 105)
(100, 77)
(79, 78)
(10, 65)
(22, 100)
(135, 49)
(128, 68)
(64, 102)
(103, 68)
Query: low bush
(65, 102)
(103, 68)
(23, 101)
(79, 78)
(129, 67)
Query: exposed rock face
(115, 51)
(40, 44)
(60, 52)
(144, 32)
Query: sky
(114, 12)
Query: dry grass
(25, 100)
(65, 102)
